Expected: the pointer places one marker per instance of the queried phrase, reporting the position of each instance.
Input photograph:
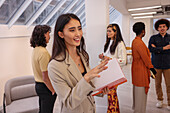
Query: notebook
(111, 77)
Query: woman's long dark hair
(59, 47)
(117, 39)
(38, 38)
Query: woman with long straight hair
(69, 69)
(114, 48)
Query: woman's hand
(105, 90)
(95, 71)
(101, 56)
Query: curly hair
(162, 21)
(38, 38)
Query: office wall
(14, 31)
(97, 19)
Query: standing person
(40, 59)
(159, 46)
(141, 65)
(114, 48)
(69, 68)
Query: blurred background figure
(159, 46)
(40, 59)
(114, 48)
(141, 65)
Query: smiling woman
(72, 33)
(69, 69)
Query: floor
(125, 97)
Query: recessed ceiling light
(143, 8)
(139, 17)
(148, 13)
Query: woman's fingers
(94, 72)
(106, 90)
(102, 68)
(101, 56)
(89, 76)
(103, 63)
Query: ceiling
(34, 12)
(123, 5)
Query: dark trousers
(46, 99)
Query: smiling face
(111, 33)
(162, 29)
(72, 33)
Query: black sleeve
(154, 49)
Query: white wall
(126, 29)
(14, 31)
(97, 19)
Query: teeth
(76, 39)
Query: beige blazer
(71, 87)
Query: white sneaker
(168, 107)
(159, 104)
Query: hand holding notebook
(110, 78)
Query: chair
(20, 95)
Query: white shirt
(120, 53)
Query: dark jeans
(46, 99)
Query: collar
(69, 59)
(72, 68)
(162, 36)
